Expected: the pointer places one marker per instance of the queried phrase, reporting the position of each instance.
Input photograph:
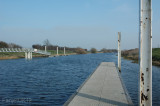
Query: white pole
(145, 90)
(26, 55)
(57, 51)
(64, 51)
(119, 51)
(30, 55)
(45, 48)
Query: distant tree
(80, 51)
(93, 50)
(12, 45)
(37, 46)
(46, 42)
(104, 50)
(3, 44)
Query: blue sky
(74, 23)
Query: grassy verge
(60, 52)
(8, 55)
(17, 55)
(133, 55)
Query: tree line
(54, 47)
(46, 42)
(9, 45)
(42, 47)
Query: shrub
(93, 50)
(80, 51)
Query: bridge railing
(24, 50)
(41, 52)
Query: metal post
(45, 48)
(119, 51)
(57, 51)
(64, 51)
(145, 91)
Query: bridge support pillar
(57, 51)
(28, 55)
(45, 48)
(64, 51)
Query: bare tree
(46, 42)
(12, 45)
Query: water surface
(51, 81)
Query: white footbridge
(28, 52)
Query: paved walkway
(103, 88)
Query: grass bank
(60, 52)
(133, 54)
(17, 55)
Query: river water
(51, 81)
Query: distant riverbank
(17, 55)
(133, 55)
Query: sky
(75, 23)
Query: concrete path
(103, 88)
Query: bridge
(28, 52)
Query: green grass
(11, 54)
(54, 52)
(17, 54)
(156, 54)
(20, 54)
(134, 56)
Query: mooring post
(64, 51)
(119, 51)
(57, 51)
(45, 48)
(145, 90)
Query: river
(51, 81)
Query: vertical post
(145, 90)
(119, 51)
(57, 51)
(64, 51)
(45, 48)
(30, 55)
(26, 55)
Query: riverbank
(18, 55)
(133, 55)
